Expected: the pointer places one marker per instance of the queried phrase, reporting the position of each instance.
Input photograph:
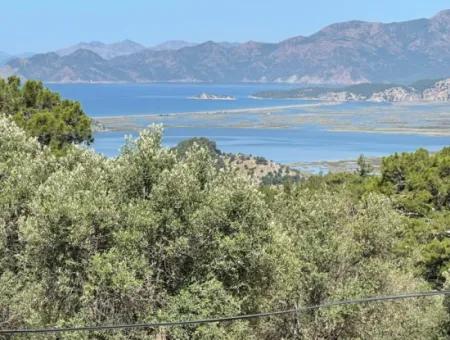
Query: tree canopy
(43, 114)
(148, 236)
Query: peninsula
(421, 91)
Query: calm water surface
(305, 143)
(100, 100)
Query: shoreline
(375, 102)
(272, 117)
(403, 131)
(334, 166)
(263, 109)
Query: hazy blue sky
(42, 25)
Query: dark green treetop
(55, 122)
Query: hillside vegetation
(154, 236)
(161, 234)
(258, 169)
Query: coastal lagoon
(284, 130)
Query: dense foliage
(43, 114)
(185, 146)
(153, 236)
(419, 184)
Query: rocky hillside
(434, 91)
(263, 171)
(80, 66)
(396, 94)
(439, 92)
(344, 53)
(258, 169)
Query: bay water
(301, 143)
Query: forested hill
(343, 53)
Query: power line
(226, 318)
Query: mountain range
(172, 45)
(121, 48)
(5, 57)
(344, 53)
(106, 51)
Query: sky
(46, 25)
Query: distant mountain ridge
(106, 51)
(172, 45)
(121, 48)
(5, 57)
(344, 53)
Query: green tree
(364, 166)
(43, 114)
(183, 147)
(200, 301)
(333, 248)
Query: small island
(208, 96)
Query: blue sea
(303, 143)
(100, 100)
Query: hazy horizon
(65, 24)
